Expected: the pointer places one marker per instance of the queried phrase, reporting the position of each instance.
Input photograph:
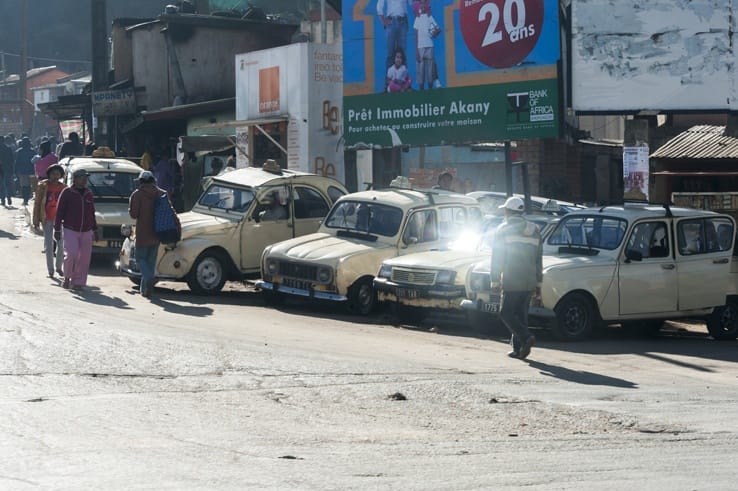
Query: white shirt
(395, 8)
(425, 24)
(397, 75)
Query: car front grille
(413, 277)
(111, 232)
(298, 270)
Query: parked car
(490, 202)
(415, 284)
(111, 180)
(339, 262)
(637, 265)
(239, 214)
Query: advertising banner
(114, 102)
(635, 173)
(449, 71)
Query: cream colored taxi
(240, 213)
(340, 261)
(111, 180)
(637, 265)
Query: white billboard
(660, 55)
(303, 83)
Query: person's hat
(513, 203)
(55, 167)
(146, 176)
(80, 173)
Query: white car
(239, 214)
(635, 264)
(340, 261)
(111, 180)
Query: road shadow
(580, 376)
(175, 308)
(93, 294)
(8, 235)
(103, 265)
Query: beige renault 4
(340, 261)
(239, 214)
(111, 180)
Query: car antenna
(669, 214)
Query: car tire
(722, 324)
(361, 297)
(487, 324)
(208, 275)
(575, 318)
(409, 315)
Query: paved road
(104, 389)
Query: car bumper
(481, 306)
(428, 296)
(300, 292)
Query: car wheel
(208, 274)
(722, 324)
(487, 324)
(575, 318)
(409, 315)
(361, 297)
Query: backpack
(166, 225)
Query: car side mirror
(412, 240)
(633, 255)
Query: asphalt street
(104, 389)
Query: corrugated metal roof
(699, 142)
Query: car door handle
(720, 261)
(667, 266)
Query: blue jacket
(24, 161)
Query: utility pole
(23, 84)
(99, 43)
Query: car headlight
(385, 271)
(126, 230)
(445, 276)
(325, 275)
(272, 266)
(479, 282)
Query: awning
(668, 173)
(207, 143)
(181, 113)
(68, 107)
(256, 123)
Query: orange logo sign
(269, 89)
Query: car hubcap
(728, 319)
(575, 319)
(209, 273)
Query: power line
(5, 53)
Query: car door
(421, 232)
(310, 208)
(704, 249)
(647, 273)
(257, 234)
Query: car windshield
(227, 198)
(112, 184)
(372, 218)
(598, 232)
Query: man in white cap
(516, 272)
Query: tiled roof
(699, 142)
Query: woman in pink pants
(76, 214)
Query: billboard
(661, 55)
(301, 83)
(449, 71)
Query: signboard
(114, 102)
(302, 83)
(635, 173)
(631, 55)
(450, 71)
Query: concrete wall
(150, 66)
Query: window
(454, 219)
(309, 203)
(704, 235)
(589, 231)
(421, 227)
(334, 193)
(227, 198)
(650, 239)
(112, 184)
(365, 217)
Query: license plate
(406, 293)
(115, 243)
(299, 284)
(491, 307)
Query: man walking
(44, 215)
(516, 271)
(24, 168)
(76, 213)
(7, 172)
(141, 208)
